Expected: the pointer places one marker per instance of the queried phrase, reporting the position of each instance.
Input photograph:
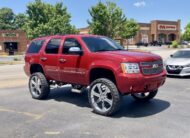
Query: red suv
(95, 61)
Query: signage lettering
(167, 27)
(10, 35)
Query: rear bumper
(27, 69)
(136, 83)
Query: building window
(144, 38)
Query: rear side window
(35, 46)
(53, 46)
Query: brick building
(157, 30)
(13, 40)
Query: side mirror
(75, 50)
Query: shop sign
(167, 27)
(10, 35)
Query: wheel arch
(102, 72)
(36, 68)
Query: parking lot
(66, 114)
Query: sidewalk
(4, 59)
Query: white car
(178, 64)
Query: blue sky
(140, 10)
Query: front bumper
(182, 72)
(136, 83)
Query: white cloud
(140, 4)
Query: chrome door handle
(62, 60)
(43, 58)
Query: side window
(53, 46)
(70, 42)
(35, 46)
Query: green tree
(129, 29)
(109, 20)
(186, 35)
(47, 19)
(6, 19)
(20, 21)
(106, 19)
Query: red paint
(76, 69)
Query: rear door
(49, 58)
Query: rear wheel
(144, 96)
(104, 97)
(38, 86)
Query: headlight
(130, 68)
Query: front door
(49, 58)
(72, 66)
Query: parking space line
(52, 132)
(32, 115)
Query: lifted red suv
(94, 61)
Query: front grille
(155, 67)
(171, 69)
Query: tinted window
(96, 44)
(70, 42)
(35, 46)
(53, 46)
(182, 54)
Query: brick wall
(18, 36)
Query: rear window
(35, 46)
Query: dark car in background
(156, 43)
(141, 44)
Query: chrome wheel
(35, 86)
(101, 97)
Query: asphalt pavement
(66, 114)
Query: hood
(131, 56)
(178, 61)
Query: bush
(17, 59)
(175, 44)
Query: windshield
(182, 54)
(96, 44)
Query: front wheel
(144, 96)
(104, 97)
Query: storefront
(157, 30)
(161, 31)
(13, 41)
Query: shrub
(175, 44)
(17, 59)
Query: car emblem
(172, 67)
(155, 66)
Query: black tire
(113, 93)
(150, 96)
(44, 87)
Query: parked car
(156, 43)
(95, 61)
(141, 44)
(184, 43)
(168, 43)
(179, 63)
